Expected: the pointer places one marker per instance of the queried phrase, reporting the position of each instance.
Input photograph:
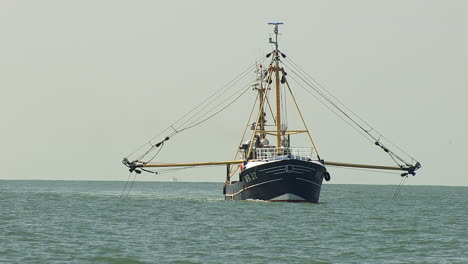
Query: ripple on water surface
(88, 222)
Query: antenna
(276, 35)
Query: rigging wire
(284, 106)
(368, 170)
(356, 115)
(213, 100)
(328, 100)
(172, 170)
(193, 124)
(272, 115)
(162, 171)
(327, 106)
(154, 156)
(248, 122)
(331, 109)
(347, 108)
(209, 100)
(167, 171)
(399, 188)
(149, 142)
(344, 114)
(327, 91)
(126, 183)
(131, 186)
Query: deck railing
(274, 153)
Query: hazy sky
(84, 83)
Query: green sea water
(166, 222)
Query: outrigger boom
(133, 165)
(210, 163)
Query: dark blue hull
(288, 180)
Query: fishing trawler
(267, 165)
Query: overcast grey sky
(83, 83)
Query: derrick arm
(410, 169)
(133, 165)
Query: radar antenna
(276, 35)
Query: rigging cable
(349, 109)
(226, 87)
(219, 111)
(328, 92)
(174, 124)
(328, 100)
(203, 108)
(331, 109)
(367, 131)
(399, 188)
(368, 170)
(126, 183)
(284, 106)
(154, 156)
(192, 122)
(335, 105)
(248, 122)
(131, 186)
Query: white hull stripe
(304, 167)
(272, 169)
(309, 181)
(251, 186)
(284, 169)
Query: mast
(277, 86)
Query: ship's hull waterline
(288, 180)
